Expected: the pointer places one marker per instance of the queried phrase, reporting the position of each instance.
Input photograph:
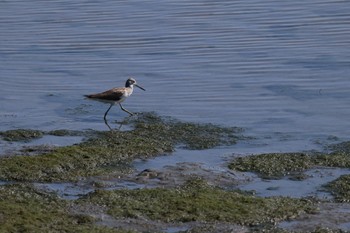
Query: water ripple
(254, 63)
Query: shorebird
(116, 95)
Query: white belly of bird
(125, 95)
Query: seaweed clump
(189, 135)
(340, 188)
(277, 165)
(21, 135)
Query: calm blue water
(280, 69)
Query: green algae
(113, 151)
(277, 165)
(21, 135)
(197, 201)
(343, 147)
(340, 188)
(189, 135)
(25, 209)
(65, 132)
(27, 135)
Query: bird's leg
(106, 123)
(125, 110)
(107, 112)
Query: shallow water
(312, 186)
(279, 69)
(68, 191)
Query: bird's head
(132, 82)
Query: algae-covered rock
(273, 165)
(276, 165)
(21, 134)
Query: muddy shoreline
(96, 186)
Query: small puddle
(212, 159)
(177, 229)
(68, 191)
(73, 191)
(311, 186)
(175, 169)
(123, 184)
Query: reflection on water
(270, 66)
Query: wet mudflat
(101, 184)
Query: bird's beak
(140, 87)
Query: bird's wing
(112, 94)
